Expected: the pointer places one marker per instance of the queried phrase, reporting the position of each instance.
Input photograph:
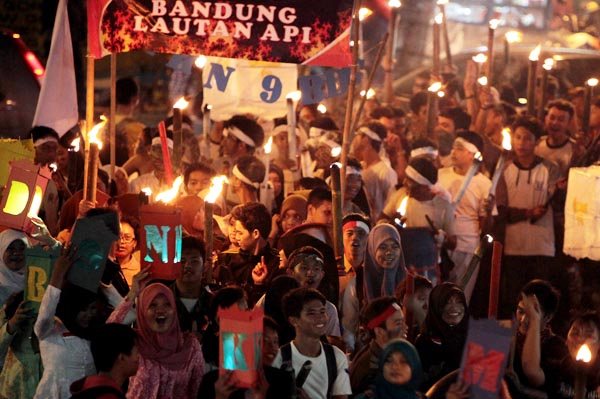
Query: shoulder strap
(286, 355)
(331, 367)
(95, 392)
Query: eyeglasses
(126, 239)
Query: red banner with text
(311, 32)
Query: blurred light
(322, 108)
(535, 53)
(480, 58)
(364, 13)
(513, 36)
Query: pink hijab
(171, 348)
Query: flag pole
(112, 122)
(89, 116)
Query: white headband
(237, 173)
(318, 132)
(368, 132)
(351, 170)
(157, 141)
(416, 176)
(424, 151)
(328, 142)
(237, 133)
(43, 140)
(467, 145)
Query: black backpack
(286, 363)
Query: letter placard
(240, 345)
(93, 237)
(40, 263)
(484, 357)
(160, 240)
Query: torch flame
(482, 81)
(363, 13)
(548, 64)
(506, 139)
(93, 133)
(441, 94)
(439, 18)
(336, 151)
(592, 82)
(75, 144)
(513, 36)
(478, 157)
(394, 3)
(435, 87)
(182, 103)
(442, 2)
(216, 186)
(584, 354)
(480, 58)
(147, 191)
(294, 96)
(268, 145)
(535, 53)
(370, 94)
(200, 61)
(170, 194)
(494, 23)
(322, 108)
(402, 208)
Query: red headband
(382, 317)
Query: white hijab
(10, 281)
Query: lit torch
(169, 195)
(478, 158)
(479, 60)
(510, 37)
(178, 107)
(401, 221)
(91, 177)
(216, 186)
(582, 360)
(589, 92)
(546, 68)
(506, 147)
(531, 78)
(442, 5)
(265, 198)
(493, 24)
(432, 102)
(291, 100)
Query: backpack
(286, 363)
(95, 392)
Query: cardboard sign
(485, 357)
(240, 343)
(160, 245)
(93, 237)
(10, 150)
(23, 194)
(40, 263)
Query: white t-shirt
(466, 223)
(379, 180)
(316, 382)
(560, 155)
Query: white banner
(582, 213)
(233, 86)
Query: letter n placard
(240, 343)
(40, 263)
(160, 245)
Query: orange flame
(216, 186)
(506, 139)
(402, 208)
(584, 354)
(170, 194)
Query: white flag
(57, 103)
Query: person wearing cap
(379, 179)
(383, 319)
(247, 174)
(470, 212)
(154, 180)
(524, 199)
(45, 144)
(306, 264)
(355, 230)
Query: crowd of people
(386, 317)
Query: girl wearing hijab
(171, 363)
(12, 264)
(399, 373)
(63, 330)
(384, 267)
(444, 333)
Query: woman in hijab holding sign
(171, 363)
(444, 334)
(384, 266)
